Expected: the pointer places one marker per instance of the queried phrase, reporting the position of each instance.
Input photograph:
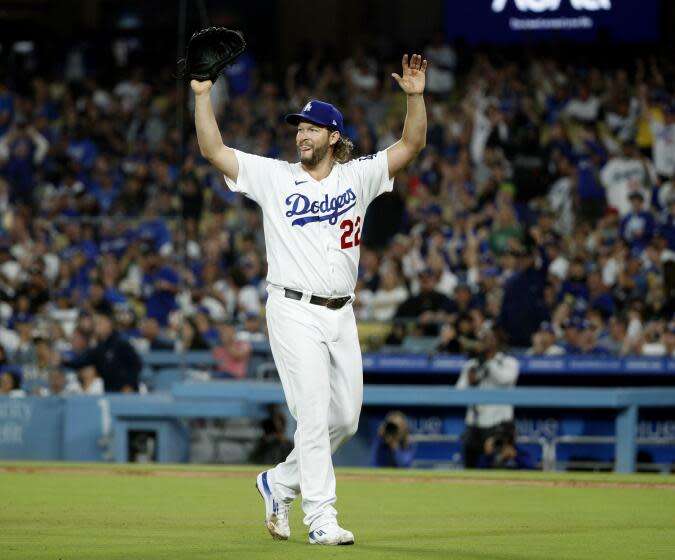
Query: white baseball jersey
(663, 149)
(312, 228)
(313, 238)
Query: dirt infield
(375, 477)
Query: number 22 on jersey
(350, 227)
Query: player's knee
(347, 425)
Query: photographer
(391, 447)
(488, 368)
(501, 452)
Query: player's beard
(318, 154)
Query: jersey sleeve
(373, 171)
(254, 177)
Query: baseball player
(313, 212)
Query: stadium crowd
(543, 203)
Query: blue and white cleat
(331, 534)
(276, 512)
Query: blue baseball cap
(318, 112)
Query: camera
(474, 349)
(504, 437)
(390, 429)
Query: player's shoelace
(281, 509)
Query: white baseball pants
(318, 357)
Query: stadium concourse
(543, 203)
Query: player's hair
(342, 150)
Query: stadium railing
(186, 365)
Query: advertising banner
(512, 21)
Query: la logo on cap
(307, 107)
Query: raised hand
(414, 74)
(200, 87)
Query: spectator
(60, 385)
(232, 355)
(637, 226)
(584, 107)
(113, 357)
(36, 372)
(390, 293)
(23, 352)
(22, 150)
(253, 329)
(90, 382)
(625, 173)
(10, 382)
(669, 340)
(587, 343)
(458, 336)
(429, 307)
(663, 132)
(631, 283)
(591, 204)
(489, 127)
(506, 233)
(599, 297)
(152, 337)
(544, 343)
(392, 447)
(523, 304)
(160, 284)
(205, 327)
(575, 286)
(463, 299)
(190, 338)
(571, 336)
(652, 342)
(489, 368)
(442, 61)
(561, 196)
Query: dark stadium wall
(345, 23)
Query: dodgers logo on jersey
(319, 210)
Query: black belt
(330, 303)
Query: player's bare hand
(413, 75)
(201, 87)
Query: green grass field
(65, 511)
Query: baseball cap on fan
(318, 112)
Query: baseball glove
(209, 51)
